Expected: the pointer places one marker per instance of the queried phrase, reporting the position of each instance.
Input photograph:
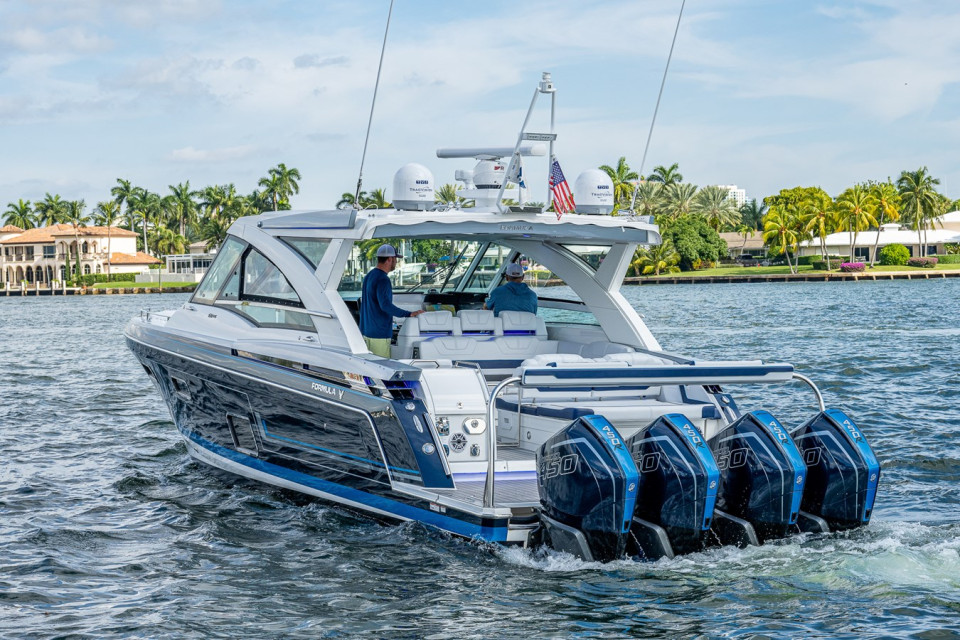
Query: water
(108, 528)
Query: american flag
(562, 197)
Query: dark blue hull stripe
(399, 509)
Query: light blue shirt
(512, 296)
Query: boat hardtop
(570, 427)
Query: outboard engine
(761, 477)
(842, 470)
(588, 489)
(678, 486)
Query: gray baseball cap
(386, 251)
(514, 270)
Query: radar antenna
(643, 161)
(366, 140)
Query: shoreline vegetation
(690, 219)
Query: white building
(40, 255)
(936, 238)
(737, 194)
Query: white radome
(413, 188)
(593, 192)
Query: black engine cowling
(762, 474)
(678, 482)
(588, 488)
(842, 470)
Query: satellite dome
(593, 192)
(413, 188)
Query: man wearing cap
(513, 295)
(376, 304)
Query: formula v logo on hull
(327, 389)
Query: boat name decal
(327, 389)
(516, 227)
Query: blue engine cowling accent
(679, 479)
(762, 473)
(588, 481)
(842, 470)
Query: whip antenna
(663, 82)
(366, 140)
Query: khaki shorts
(378, 346)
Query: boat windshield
(426, 264)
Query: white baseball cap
(386, 251)
(514, 270)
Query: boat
(569, 428)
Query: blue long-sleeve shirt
(512, 296)
(377, 310)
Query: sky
(765, 94)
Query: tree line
(165, 223)
(690, 218)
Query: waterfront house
(41, 255)
(945, 230)
(739, 244)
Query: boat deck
(513, 489)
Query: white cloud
(226, 154)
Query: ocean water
(108, 528)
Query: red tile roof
(10, 229)
(116, 232)
(42, 235)
(39, 235)
(139, 258)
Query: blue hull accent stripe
(394, 507)
(869, 457)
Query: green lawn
(140, 285)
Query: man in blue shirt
(377, 310)
(513, 295)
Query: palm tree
(287, 180)
(272, 189)
(376, 200)
(168, 241)
(714, 203)
(214, 199)
(649, 198)
(447, 194)
(106, 215)
(121, 195)
(623, 182)
(666, 175)
(183, 205)
(20, 215)
(779, 230)
(856, 207)
(349, 201)
(745, 231)
(77, 218)
(680, 198)
(888, 206)
(213, 231)
(51, 210)
(819, 216)
(661, 258)
(752, 213)
(918, 197)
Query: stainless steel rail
(813, 386)
(488, 493)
